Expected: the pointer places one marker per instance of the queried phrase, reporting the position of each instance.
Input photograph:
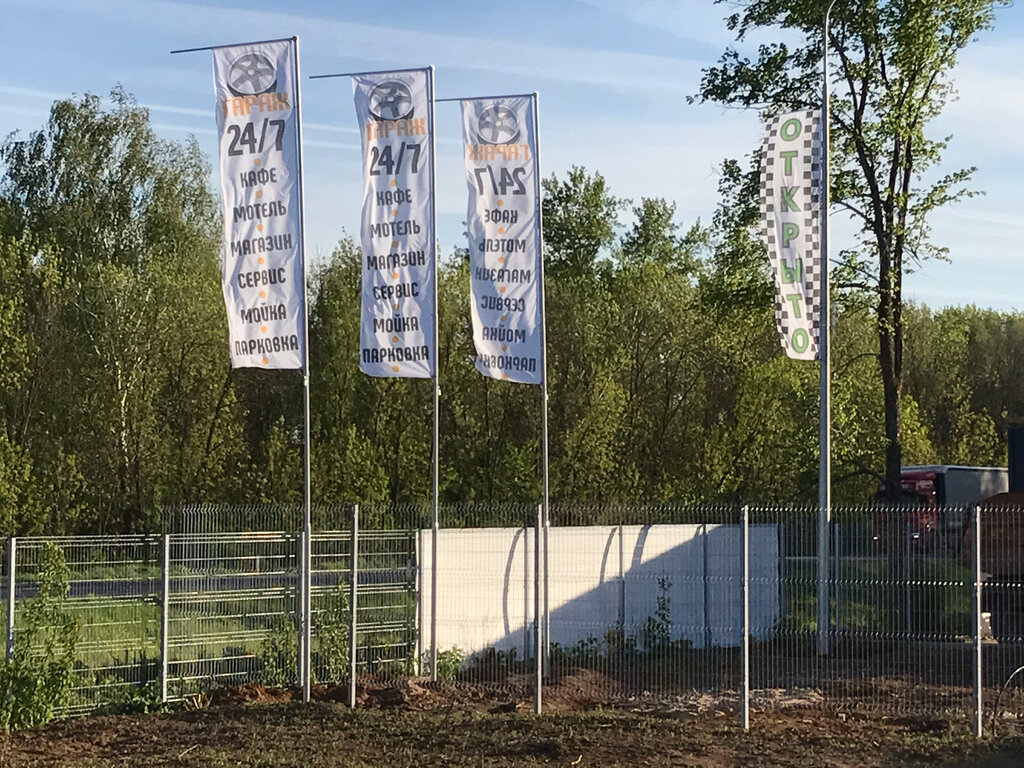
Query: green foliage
(112, 249)
(449, 662)
(332, 637)
(666, 381)
(134, 699)
(579, 220)
(937, 592)
(278, 655)
(892, 78)
(35, 684)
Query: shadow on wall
(601, 578)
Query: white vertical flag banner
(261, 255)
(504, 237)
(791, 205)
(395, 113)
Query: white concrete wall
(601, 577)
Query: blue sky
(613, 76)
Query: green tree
(123, 404)
(345, 461)
(580, 217)
(893, 77)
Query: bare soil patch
(418, 723)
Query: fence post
(704, 586)
(300, 614)
(352, 606)
(434, 532)
(622, 581)
(165, 604)
(538, 612)
(307, 613)
(837, 578)
(976, 611)
(12, 559)
(745, 616)
(547, 596)
(418, 548)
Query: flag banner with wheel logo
(791, 160)
(261, 256)
(505, 281)
(395, 113)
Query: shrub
(278, 654)
(35, 684)
(449, 662)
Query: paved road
(200, 584)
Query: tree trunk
(890, 342)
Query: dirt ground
(416, 723)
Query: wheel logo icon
(252, 74)
(497, 125)
(391, 100)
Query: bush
(332, 638)
(35, 684)
(449, 663)
(278, 655)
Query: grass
(938, 593)
(216, 641)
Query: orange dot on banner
(263, 294)
(394, 275)
(257, 162)
(261, 260)
(263, 329)
(394, 243)
(394, 339)
(502, 318)
(394, 368)
(504, 348)
(394, 306)
(259, 227)
(501, 202)
(501, 289)
(504, 375)
(501, 230)
(501, 259)
(265, 361)
(259, 193)
(394, 213)
(393, 182)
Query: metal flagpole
(436, 443)
(493, 97)
(545, 482)
(305, 564)
(824, 369)
(235, 45)
(435, 522)
(543, 636)
(307, 516)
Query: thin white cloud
(187, 129)
(346, 40)
(704, 24)
(14, 109)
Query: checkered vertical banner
(791, 159)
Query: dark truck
(934, 503)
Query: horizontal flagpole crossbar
(370, 72)
(491, 98)
(235, 45)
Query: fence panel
(632, 601)
(899, 639)
(233, 606)
(114, 584)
